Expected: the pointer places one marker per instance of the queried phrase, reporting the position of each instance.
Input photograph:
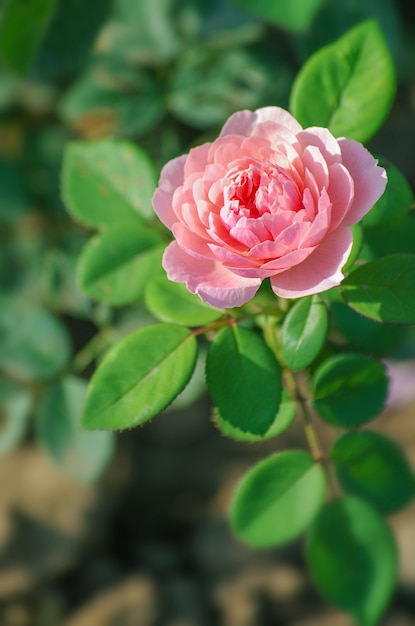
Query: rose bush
(266, 199)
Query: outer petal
(243, 122)
(321, 271)
(210, 280)
(323, 140)
(369, 179)
(171, 177)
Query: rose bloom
(266, 199)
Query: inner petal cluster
(258, 189)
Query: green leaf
(278, 499)
(107, 182)
(22, 27)
(34, 344)
(296, 15)
(365, 334)
(373, 468)
(70, 36)
(15, 407)
(397, 237)
(13, 199)
(304, 332)
(358, 235)
(244, 379)
(347, 86)
(395, 201)
(81, 454)
(140, 376)
(350, 390)
(115, 266)
(284, 418)
(172, 302)
(384, 289)
(58, 284)
(353, 559)
(113, 97)
(209, 84)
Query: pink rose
(266, 199)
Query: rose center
(260, 188)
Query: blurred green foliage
(164, 74)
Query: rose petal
(369, 179)
(194, 246)
(243, 122)
(210, 280)
(320, 271)
(171, 177)
(341, 192)
(323, 140)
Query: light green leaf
(116, 266)
(373, 468)
(34, 344)
(107, 182)
(140, 376)
(353, 559)
(347, 86)
(383, 289)
(113, 97)
(295, 15)
(304, 332)
(172, 302)
(278, 499)
(283, 420)
(350, 389)
(22, 27)
(81, 454)
(244, 379)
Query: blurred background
(130, 529)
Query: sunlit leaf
(278, 499)
(139, 377)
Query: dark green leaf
(304, 332)
(353, 559)
(278, 499)
(393, 238)
(172, 302)
(70, 36)
(284, 418)
(13, 199)
(244, 379)
(347, 86)
(81, 454)
(140, 376)
(15, 406)
(373, 468)
(115, 266)
(365, 334)
(296, 15)
(59, 288)
(22, 27)
(34, 344)
(107, 182)
(350, 390)
(394, 203)
(384, 289)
